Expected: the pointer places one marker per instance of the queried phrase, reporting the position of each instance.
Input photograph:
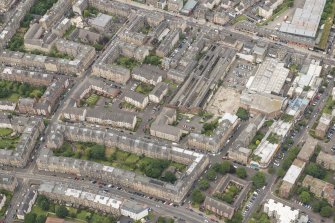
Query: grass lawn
(153, 60)
(327, 27)
(239, 18)
(80, 215)
(9, 143)
(13, 97)
(83, 215)
(127, 105)
(129, 63)
(117, 158)
(9, 196)
(209, 127)
(144, 88)
(328, 108)
(172, 84)
(5, 131)
(92, 99)
(38, 211)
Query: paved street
(166, 210)
(30, 174)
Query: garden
(92, 100)
(154, 168)
(230, 193)
(7, 140)
(126, 62)
(44, 208)
(209, 127)
(144, 88)
(9, 196)
(12, 91)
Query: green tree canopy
(169, 177)
(97, 152)
(203, 184)
(197, 196)
(224, 167)
(326, 211)
(30, 218)
(41, 219)
(241, 172)
(237, 218)
(62, 211)
(242, 114)
(259, 180)
(316, 170)
(305, 197)
(211, 174)
(43, 202)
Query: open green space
(153, 60)
(90, 11)
(5, 132)
(145, 29)
(273, 138)
(8, 142)
(239, 18)
(39, 8)
(286, 117)
(9, 196)
(12, 91)
(288, 160)
(144, 88)
(242, 113)
(259, 217)
(127, 105)
(256, 140)
(165, 220)
(69, 31)
(230, 193)
(209, 127)
(92, 99)
(327, 18)
(44, 207)
(126, 62)
(328, 108)
(54, 52)
(154, 168)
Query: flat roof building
(269, 78)
(323, 125)
(291, 177)
(305, 20)
(308, 149)
(281, 212)
(262, 103)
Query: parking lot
(239, 74)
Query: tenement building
(110, 138)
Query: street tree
(241, 172)
(197, 196)
(305, 197)
(259, 180)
